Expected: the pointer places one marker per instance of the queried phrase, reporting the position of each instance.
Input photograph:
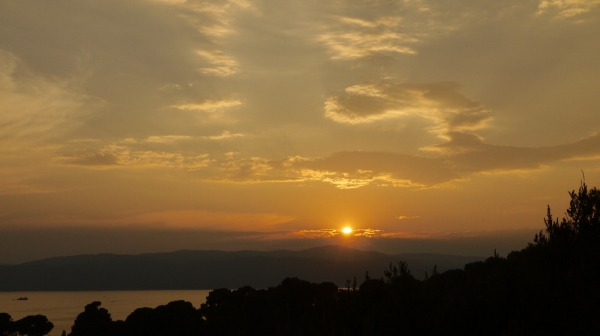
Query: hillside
(211, 269)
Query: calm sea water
(61, 308)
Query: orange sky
(276, 120)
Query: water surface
(61, 308)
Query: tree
(582, 218)
(34, 325)
(7, 326)
(94, 321)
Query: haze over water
(61, 308)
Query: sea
(61, 308)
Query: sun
(347, 230)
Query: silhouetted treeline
(551, 287)
(33, 325)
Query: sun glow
(347, 230)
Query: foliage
(32, 325)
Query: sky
(132, 126)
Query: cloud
(170, 2)
(123, 156)
(407, 217)
(473, 155)
(461, 156)
(368, 233)
(354, 169)
(209, 105)
(440, 103)
(330, 233)
(35, 108)
(379, 31)
(254, 169)
(219, 14)
(567, 8)
(103, 158)
(457, 159)
(355, 38)
(458, 143)
(406, 235)
(224, 135)
(334, 233)
(223, 65)
(202, 219)
(170, 219)
(345, 170)
(167, 138)
(318, 233)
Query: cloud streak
(354, 38)
(567, 8)
(209, 105)
(115, 155)
(224, 135)
(463, 155)
(331, 233)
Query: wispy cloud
(35, 108)
(355, 38)
(224, 135)
(407, 217)
(254, 169)
(440, 103)
(166, 138)
(462, 156)
(223, 65)
(474, 156)
(123, 156)
(318, 233)
(567, 8)
(190, 220)
(219, 14)
(209, 105)
(203, 219)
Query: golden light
(347, 230)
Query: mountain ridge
(209, 269)
(265, 253)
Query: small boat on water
(22, 299)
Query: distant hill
(212, 269)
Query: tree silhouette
(94, 321)
(175, 318)
(7, 326)
(32, 325)
(35, 325)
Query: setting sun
(346, 230)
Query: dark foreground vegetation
(550, 287)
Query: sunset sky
(130, 126)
